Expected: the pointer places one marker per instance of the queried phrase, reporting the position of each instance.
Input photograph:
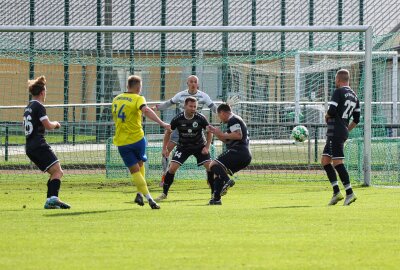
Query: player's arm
(356, 117)
(235, 134)
(209, 139)
(332, 110)
(49, 125)
(149, 113)
(210, 104)
(165, 105)
(166, 139)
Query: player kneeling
(237, 155)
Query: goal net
(279, 88)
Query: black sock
(54, 187)
(210, 180)
(168, 180)
(344, 177)
(220, 180)
(218, 184)
(330, 171)
(48, 189)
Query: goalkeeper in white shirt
(179, 99)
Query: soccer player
(127, 110)
(190, 125)
(237, 155)
(179, 99)
(343, 105)
(39, 152)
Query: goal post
(234, 57)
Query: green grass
(259, 226)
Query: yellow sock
(143, 171)
(140, 183)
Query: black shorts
(334, 147)
(42, 156)
(181, 154)
(234, 159)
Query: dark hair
(343, 75)
(224, 107)
(190, 99)
(133, 81)
(37, 86)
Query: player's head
(193, 83)
(190, 106)
(134, 84)
(224, 112)
(342, 78)
(37, 87)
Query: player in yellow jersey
(127, 110)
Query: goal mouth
(277, 88)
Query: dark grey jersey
(345, 105)
(34, 114)
(190, 130)
(236, 123)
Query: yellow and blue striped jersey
(127, 116)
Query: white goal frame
(367, 30)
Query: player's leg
(46, 160)
(221, 177)
(179, 157)
(210, 177)
(326, 162)
(205, 160)
(169, 179)
(232, 161)
(54, 184)
(133, 156)
(338, 163)
(165, 160)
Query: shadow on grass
(67, 213)
(287, 207)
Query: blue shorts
(133, 153)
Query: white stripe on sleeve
(43, 118)
(333, 103)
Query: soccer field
(259, 226)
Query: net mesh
(266, 70)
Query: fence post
(6, 146)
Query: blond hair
(343, 75)
(133, 81)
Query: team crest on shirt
(195, 124)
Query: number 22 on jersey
(121, 113)
(350, 106)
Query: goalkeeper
(179, 99)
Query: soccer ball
(300, 133)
